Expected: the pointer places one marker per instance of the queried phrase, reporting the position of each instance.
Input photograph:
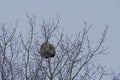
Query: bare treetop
(73, 58)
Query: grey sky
(97, 12)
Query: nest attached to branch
(47, 50)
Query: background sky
(97, 12)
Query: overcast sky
(97, 12)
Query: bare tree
(74, 60)
(8, 51)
